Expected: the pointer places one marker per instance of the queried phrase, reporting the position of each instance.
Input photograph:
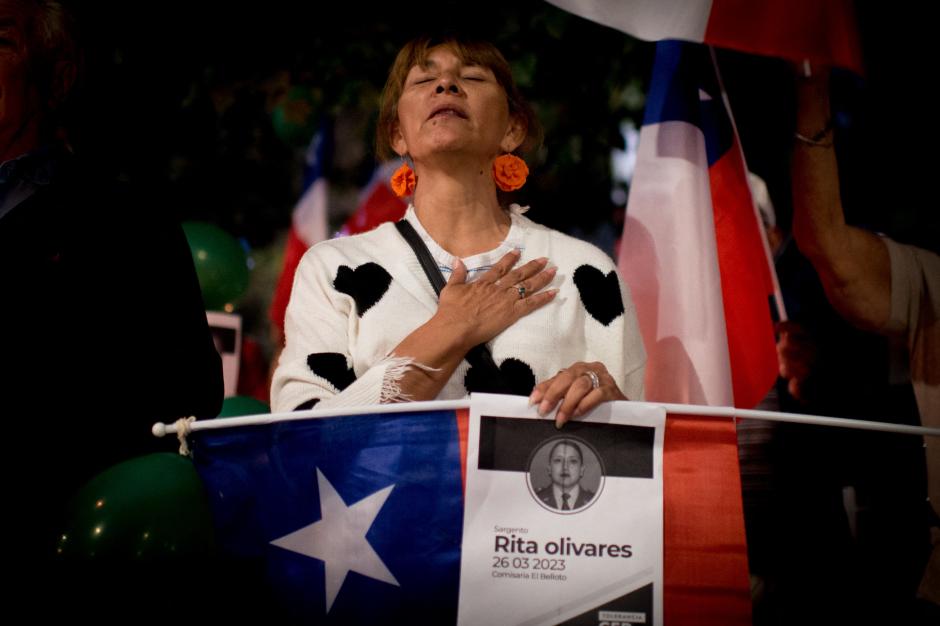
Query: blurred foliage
(189, 99)
(183, 98)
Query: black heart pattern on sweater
(366, 284)
(332, 367)
(309, 404)
(513, 377)
(600, 293)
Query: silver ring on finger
(595, 381)
(521, 289)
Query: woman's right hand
(484, 308)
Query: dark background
(180, 95)
(181, 99)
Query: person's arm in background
(852, 263)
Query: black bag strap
(478, 355)
(424, 255)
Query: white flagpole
(160, 429)
(799, 418)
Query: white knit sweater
(355, 299)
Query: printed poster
(562, 526)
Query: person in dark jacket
(102, 330)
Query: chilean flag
(691, 251)
(343, 520)
(357, 518)
(377, 204)
(821, 31)
(309, 222)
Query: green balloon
(151, 508)
(295, 117)
(243, 405)
(221, 264)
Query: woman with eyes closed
(523, 309)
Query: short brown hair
(475, 52)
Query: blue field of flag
(357, 519)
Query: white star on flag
(338, 538)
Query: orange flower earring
(404, 180)
(510, 172)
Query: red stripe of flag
(822, 31)
(745, 282)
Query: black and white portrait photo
(565, 474)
